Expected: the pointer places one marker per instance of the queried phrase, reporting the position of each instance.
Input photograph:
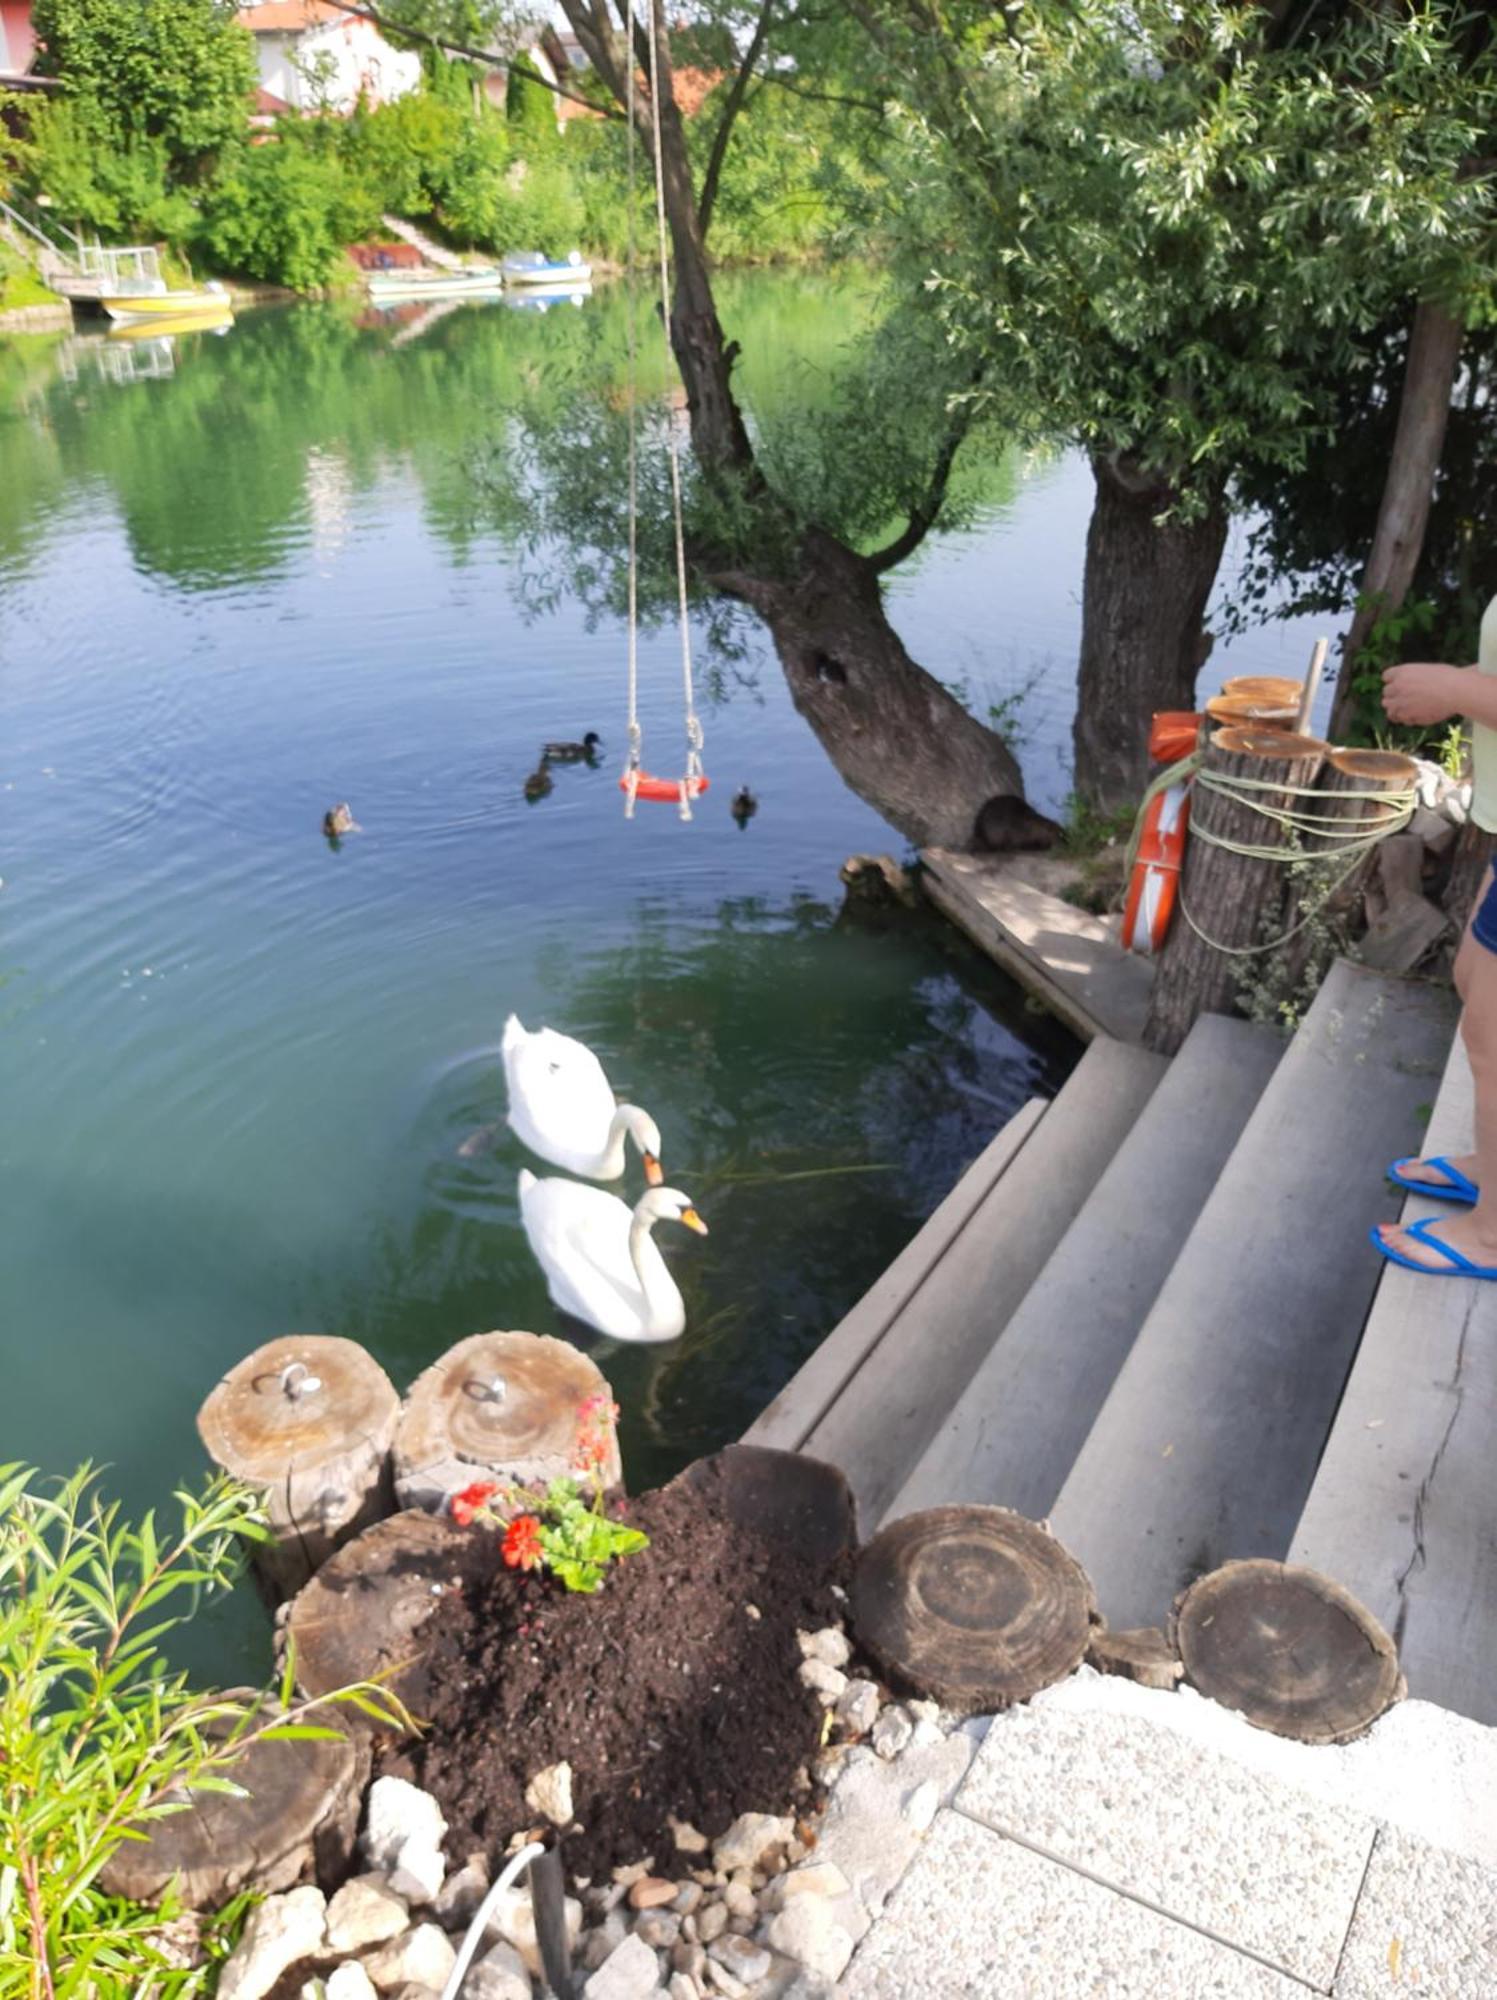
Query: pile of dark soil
(671, 1692)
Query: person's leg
(1473, 1231)
(1469, 950)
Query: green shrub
(282, 212)
(96, 181)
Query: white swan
(600, 1262)
(561, 1105)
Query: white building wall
(353, 53)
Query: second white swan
(561, 1105)
(600, 1261)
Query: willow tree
(1169, 230)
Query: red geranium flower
(466, 1504)
(596, 1418)
(522, 1543)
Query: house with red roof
(17, 45)
(316, 57)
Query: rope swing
(636, 783)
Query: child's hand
(1421, 692)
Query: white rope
(631, 769)
(690, 783)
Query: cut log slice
(782, 1496)
(308, 1419)
(1141, 1653)
(500, 1403)
(298, 1823)
(1287, 1648)
(975, 1607)
(363, 1616)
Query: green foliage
(92, 176)
(579, 1540)
(98, 1733)
(282, 212)
(19, 284)
(531, 111)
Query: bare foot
(1474, 1241)
(1427, 1172)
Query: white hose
(475, 1931)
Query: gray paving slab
(1226, 1849)
(978, 1915)
(1426, 1925)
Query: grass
(19, 284)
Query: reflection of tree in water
(820, 1087)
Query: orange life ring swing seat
(1154, 885)
(668, 791)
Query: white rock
(683, 1987)
(282, 1930)
(747, 1961)
(424, 1957)
(749, 1839)
(395, 1813)
(829, 1682)
(631, 1972)
(928, 1728)
(893, 1731)
(738, 1898)
(365, 1911)
(417, 1871)
(711, 1921)
(351, 1982)
(456, 1904)
(857, 1709)
(687, 1838)
(829, 1644)
(922, 1805)
(600, 1944)
(549, 1793)
(513, 1919)
(807, 1931)
(720, 1980)
(659, 1928)
(816, 1878)
(499, 1975)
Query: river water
(243, 578)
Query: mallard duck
(600, 1263)
(339, 821)
(562, 1106)
(744, 805)
(538, 784)
(572, 753)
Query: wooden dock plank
(1071, 959)
(893, 1404)
(789, 1419)
(1016, 1429)
(1206, 1447)
(1401, 1511)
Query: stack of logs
(1238, 910)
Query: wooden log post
(309, 1420)
(1357, 794)
(505, 1405)
(1229, 904)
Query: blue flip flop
(1456, 1265)
(1459, 1188)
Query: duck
(338, 820)
(563, 1107)
(538, 784)
(599, 1257)
(572, 753)
(744, 805)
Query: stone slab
(980, 1915)
(1220, 1847)
(1071, 959)
(1426, 1924)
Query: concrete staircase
(1138, 1313)
(433, 253)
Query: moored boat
(477, 281)
(530, 267)
(204, 301)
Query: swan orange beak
(693, 1221)
(654, 1172)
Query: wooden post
(1235, 899)
(1334, 881)
(1312, 686)
(504, 1404)
(308, 1419)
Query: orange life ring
(1156, 871)
(668, 790)
(1173, 734)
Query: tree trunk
(1408, 488)
(1142, 640)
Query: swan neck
(656, 1284)
(619, 1127)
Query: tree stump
(1139, 1653)
(1330, 884)
(1275, 690)
(1236, 900)
(1237, 710)
(500, 1403)
(1287, 1648)
(298, 1823)
(1468, 867)
(308, 1419)
(974, 1607)
(362, 1617)
(781, 1496)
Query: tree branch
(732, 105)
(780, 82)
(923, 516)
(488, 57)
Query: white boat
(530, 267)
(209, 301)
(476, 281)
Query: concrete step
(1016, 1429)
(1207, 1444)
(446, 260)
(892, 1405)
(1401, 1509)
